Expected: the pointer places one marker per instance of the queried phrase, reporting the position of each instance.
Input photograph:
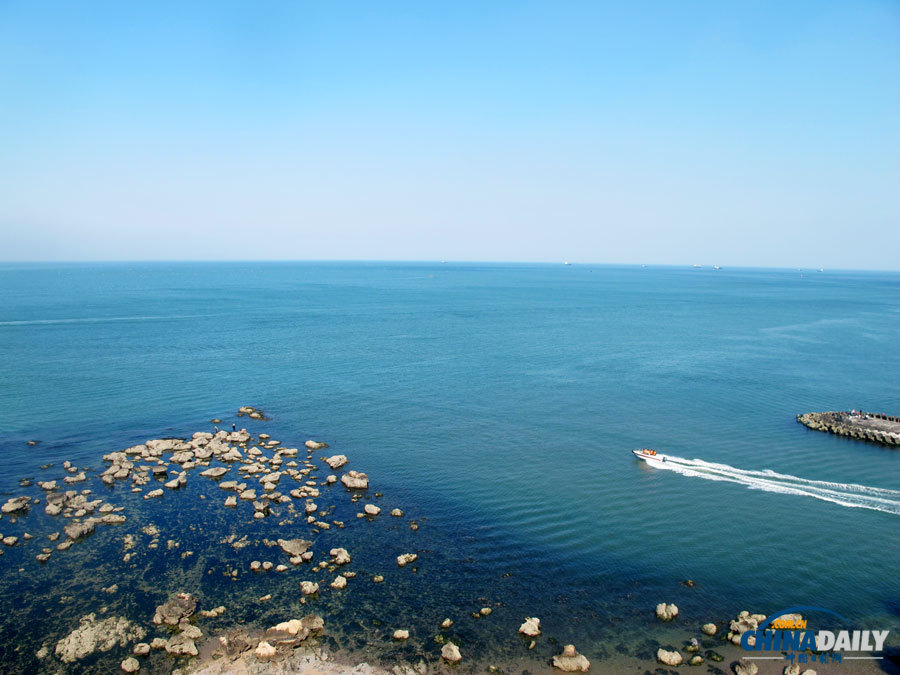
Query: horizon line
(123, 261)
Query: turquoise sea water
(500, 403)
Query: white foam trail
(851, 495)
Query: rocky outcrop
(93, 635)
(406, 558)
(571, 661)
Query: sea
(497, 405)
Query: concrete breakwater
(874, 427)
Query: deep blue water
(500, 403)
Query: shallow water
(497, 403)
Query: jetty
(864, 426)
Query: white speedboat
(649, 456)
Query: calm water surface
(498, 403)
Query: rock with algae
(93, 635)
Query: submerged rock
(571, 661)
(93, 635)
(179, 607)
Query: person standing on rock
(233, 426)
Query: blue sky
(733, 133)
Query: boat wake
(845, 494)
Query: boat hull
(650, 459)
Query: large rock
(571, 661)
(669, 658)
(709, 629)
(215, 472)
(92, 635)
(294, 547)
(747, 667)
(355, 480)
(79, 530)
(314, 445)
(531, 627)
(181, 645)
(179, 607)
(666, 612)
(450, 653)
(264, 651)
(339, 556)
(130, 665)
(309, 587)
(337, 461)
(16, 504)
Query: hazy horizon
(743, 136)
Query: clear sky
(749, 133)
